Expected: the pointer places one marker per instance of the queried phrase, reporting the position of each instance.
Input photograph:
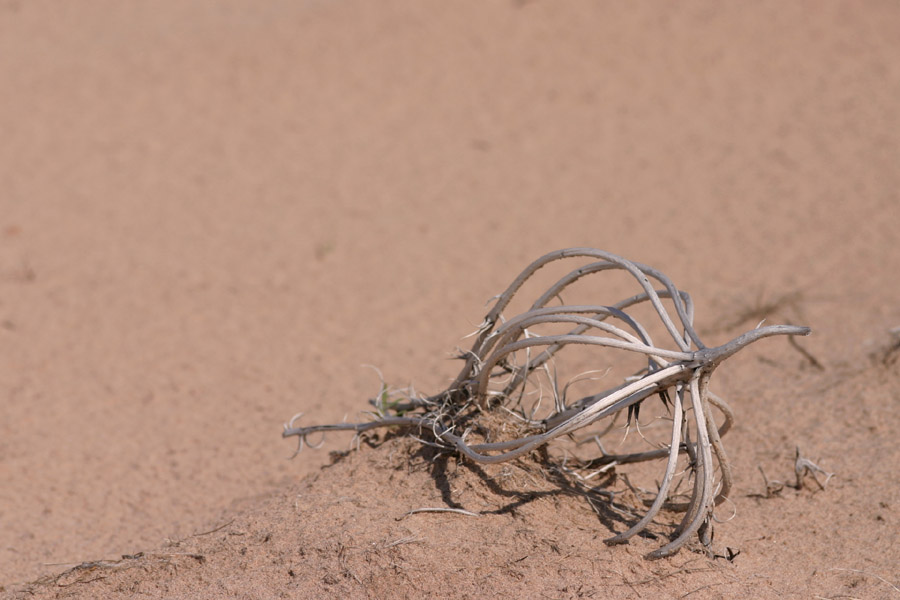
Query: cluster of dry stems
(678, 374)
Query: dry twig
(510, 354)
(803, 467)
(440, 509)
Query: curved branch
(671, 463)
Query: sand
(212, 214)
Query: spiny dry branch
(509, 355)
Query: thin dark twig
(806, 354)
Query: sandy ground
(213, 213)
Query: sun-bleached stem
(662, 495)
(490, 379)
(701, 501)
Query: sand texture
(214, 213)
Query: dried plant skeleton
(509, 353)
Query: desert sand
(213, 214)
